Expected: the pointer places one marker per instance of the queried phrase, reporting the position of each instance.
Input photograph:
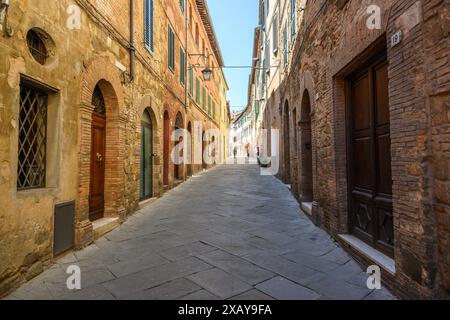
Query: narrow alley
(117, 119)
(246, 240)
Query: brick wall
(437, 89)
(334, 41)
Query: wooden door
(97, 185)
(370, 178)
(146, 158)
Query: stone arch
(307, 83)
(154, 146)
(306, 163)
(147, 102)
(101, 74)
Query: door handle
(99, 157)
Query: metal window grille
(36, 47)
(32, 138)
(98, 101)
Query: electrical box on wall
(64, 227)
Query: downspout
(186, 58)
(132, 48)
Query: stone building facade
(364, 106)
(90, 92)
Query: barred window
(37, 47)
(32, 137)
(98, 101)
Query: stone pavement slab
(220, 283)
(237, 267)
(283, 289)
(252, 295)
(228, 233)
(153, 277)
(168, 291)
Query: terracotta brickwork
(131, 81)
(332, 42)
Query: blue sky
(234, 22)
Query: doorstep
(103, 226)
(307, 207)
(382, 260)
(147, 202)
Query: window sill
(36, 192)
(150, 52)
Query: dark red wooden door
(97, 186)
(370, 178)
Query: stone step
(104, 225)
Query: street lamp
(207, 74)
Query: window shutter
(209, 105)
(285, 45)
(182, 67)
(191, 81)
(197, 92)
(292, 20)
(275, 33)
(171, 46)
(204, 99)
(182, 6)
(151, 36)
(148, 24)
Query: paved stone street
(226, 234)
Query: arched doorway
(98, 150)
(190, 150)
(287, 144)
(166, 149)
(146, 178)
(306, 183)
(178, 168)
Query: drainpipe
(186, 57)
(132, 48)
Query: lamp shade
(207, 74)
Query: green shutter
(197, 92)
(204, 99)
(191, 81)
(182, 67)
(171, 46)
(209, 105)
